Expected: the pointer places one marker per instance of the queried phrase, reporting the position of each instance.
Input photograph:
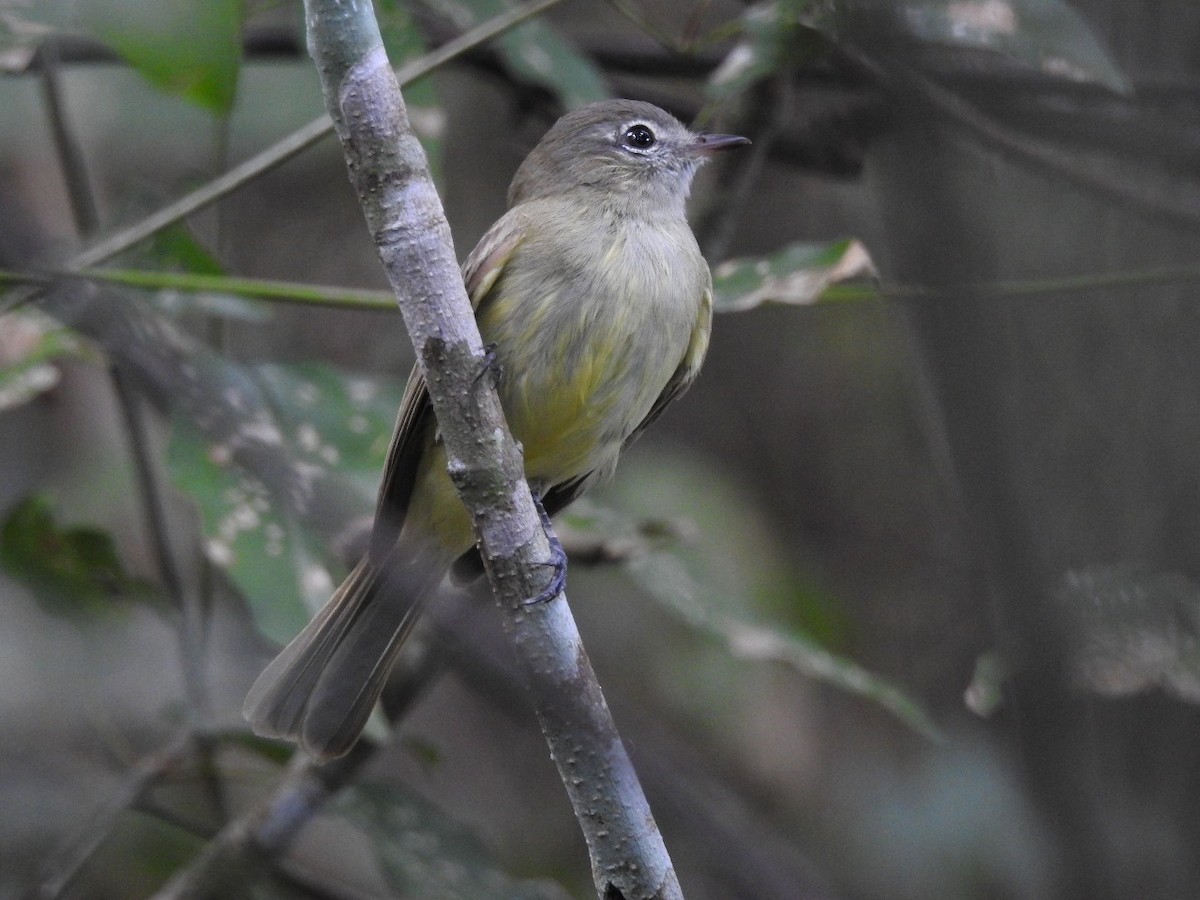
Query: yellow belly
(583, 353)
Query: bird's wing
(487, 261)
(688, 369)
(415, 419)
(400, 470)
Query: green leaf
(72, 571)
(191, 48)
(799, 274)
(177, 249)
(29, 344)
(1046, 34)
(775, 37)
(332, 418)
(423, 853)
(730, 580)
(248, 535)
(538, 55)
(535, 53)
(327, 420)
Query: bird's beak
(708, 144)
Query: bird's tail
(323, 685)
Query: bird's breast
(589, 326)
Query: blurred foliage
(1132, 629)
(276, 568)
(728, 577)
(30, 342)
(422, 853)
(534, 53)
(191, 48)
(775, 37)
(798, 274)
(1046, 34)
(1129, 630)
(176, 248)
(328, 419)
(961, 827)
(72, 571)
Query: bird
(596, 304)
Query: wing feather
(689, 368)
(415, 420)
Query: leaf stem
(366, 298)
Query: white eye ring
(638, 137)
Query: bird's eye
(639, 137)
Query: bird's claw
(489, 365)
(559, 561)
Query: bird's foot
(489, 366)
(559, 561)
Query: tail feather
(320, 690)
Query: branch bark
(405, 218)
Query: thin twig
(192, 625)
(298, 878)
(742, 845)
(339, 297)
(67, 865)
(70, 155)
(300, 139)
(1176, 207)
(199, 282)
(192, 629)
(250, 844)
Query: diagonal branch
(300, 139)
(404, 214)
(66, 865)
(244, 847)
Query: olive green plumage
(598, 303)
